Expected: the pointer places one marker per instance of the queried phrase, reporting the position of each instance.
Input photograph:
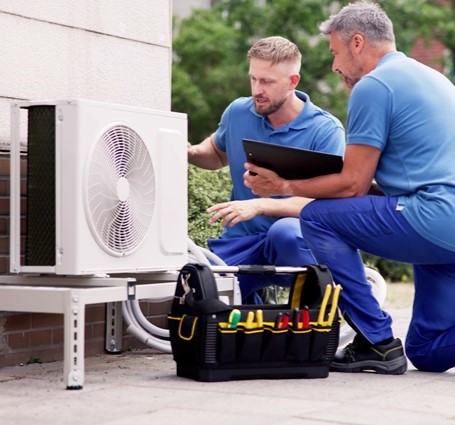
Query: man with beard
(258, 230)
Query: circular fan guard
(120, 190)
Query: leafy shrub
(392, 271)
(205, 188)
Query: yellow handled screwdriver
(259, 318)
(325, 300)
(249, 324)
(333, 309)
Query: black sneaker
(361, 356)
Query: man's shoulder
(318, 114)
(241, 103)
(326, 118)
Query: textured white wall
(109, 50)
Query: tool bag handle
(196, 287)
(258, 269)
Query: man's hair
(363, 17)
(276, 50)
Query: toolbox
(214, 341)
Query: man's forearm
(285, 207)
(206, 155)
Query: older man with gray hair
(400, 131)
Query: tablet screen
(289, 162)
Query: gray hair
(277, 50)
(364, 18)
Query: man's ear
(295, 78)
(358, 42)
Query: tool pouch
(214, 341)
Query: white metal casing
(79, 125)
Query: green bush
(205, 188)
(392, 271)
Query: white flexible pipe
(197, 252)
(137, 323)
(148, 339)
(149, 327)
(129, 312)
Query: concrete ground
(142, 388)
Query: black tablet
(289, 162)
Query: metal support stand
(113, 328)
(70, 295)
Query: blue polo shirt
(313, 129)
(407, 110)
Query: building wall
(430, 53)
(110, 50)
(107, 50)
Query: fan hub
(123, 189)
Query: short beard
(271, 109)
(350, 82)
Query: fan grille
(120, 190)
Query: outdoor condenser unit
(106, 188)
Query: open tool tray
(212, 341)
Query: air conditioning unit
(105, 189)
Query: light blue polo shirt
(407, 110)
(313, 129)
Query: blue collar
(390, 56)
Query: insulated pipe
(149, 327)
(140, 327)
(197, 252)
(148, 339)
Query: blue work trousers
(282, 245)
(336, 229)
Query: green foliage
(210, 67)
(205, 188)
(34, 360)
(391, 271)
(209, 70)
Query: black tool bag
(213, 341)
